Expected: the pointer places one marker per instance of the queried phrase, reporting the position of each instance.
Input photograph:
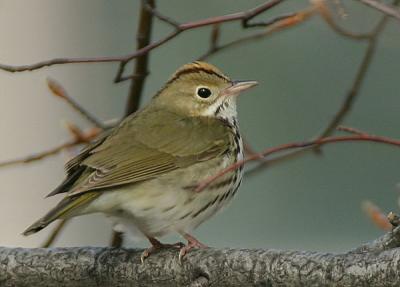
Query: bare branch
(373, 264)
(256, 11)
(282, 22)
(54, 233)
(38, 156)
(60, 92)
(149, 5)
(359, 78)
(125, 59)
(384, 8)
(96, 266)
(243, 16)
(274, 25)
(214, 49)
(271, 21)
(215, 36)
(143, 36)
(295, 146)
(376, 216)
(58, 61)
(350, 130)
(79, 137)
(84, 137)
(327, 16)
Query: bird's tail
(64, 209)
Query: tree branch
(361, 72)
(54, 233)
(384, 8)
(140, 72)
(125, 59)
(61, 93)
(373, 264)
(79, 137)
(296, 146)
(376, 216)
(274, 25)
(83, 138)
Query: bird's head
(200, 89)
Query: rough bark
(373, 264)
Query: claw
(147, 253)
(157, 245)
(192, 243)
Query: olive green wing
(142, 147)
(145, 147)
(75, 163)
(74, 168)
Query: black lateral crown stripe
(196, 70)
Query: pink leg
(157, 245)
(192, 243)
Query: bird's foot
(157, 245)
(192, 243)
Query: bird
(142, 173)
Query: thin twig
(60, 92)
(279, 159)
(350, 130)
(384, 8)
(243, 16)
(149, 5)
(248, 149)
(125, 59)
(376, 216)
(257, 11)
(359, 79)
(84, 137)
(274, 25)
(271, 21)
(290, 155)
(79, 137)
(141, 65)
(248, 38)
(281, 22)
(327, 16)
(59, 61)
(40, 155)
(54, 233)
(294, 146)
(215, 36)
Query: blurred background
(310, 203)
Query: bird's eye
(203, 92)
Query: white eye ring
(203, 92)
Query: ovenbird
(142, 172)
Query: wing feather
(132, 154)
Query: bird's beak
(237, 87)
